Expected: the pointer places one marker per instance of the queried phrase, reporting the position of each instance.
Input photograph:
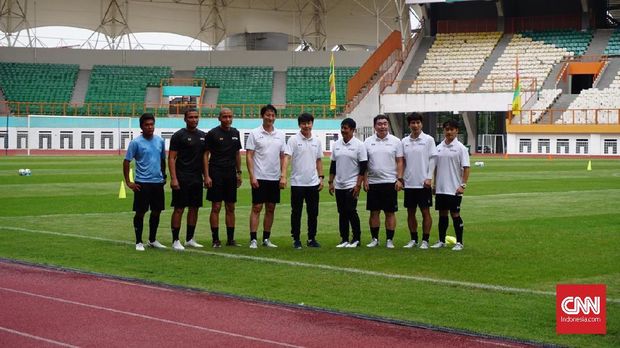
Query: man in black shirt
(185, 165)
(222, 174)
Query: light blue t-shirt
(148, 154)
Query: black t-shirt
(190, 148)
(223, 146)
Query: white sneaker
(373, 244)
(156, 245)
(424, 245)
(192, 243)
(342, 245)
(253, 244)
(438, 245)
(139, 247)
(389, 244)
(177, 246)
(457, 247)
(411, 244)
(353, 244)
(268, 243)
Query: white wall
(437, 102)
(595, 144)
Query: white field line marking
(148, 317)
(457, 283)
(38, 338)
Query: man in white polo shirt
(266, 164)
(451, 168)
(349, 162)
(384, 179)
(305, 153)
(418, 149)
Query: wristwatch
(239, 172)
(464, 185)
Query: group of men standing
(382, 165)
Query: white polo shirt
(449, 162)
(348, 157)
(304, 152)
(267, 147)
(382, 154)
(417, 152)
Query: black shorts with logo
(224, 187)
(382, 197)
(448, 202)
(268, 191)
(418, 197)
(150, 196)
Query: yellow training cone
(121, 192)
(130, 175)
(589, 166)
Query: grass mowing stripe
(447, 282)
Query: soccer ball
(27, 172)
(21, 172)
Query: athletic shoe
(389, 244)
(268, 243)
(192, 243)
(438, 245)
(457, 247)
(342, 244)
(412, 244)
(297, 244)
(353, 244)
(424, 245)
(216, 244)
(232, 243)
(253, 244)
(313, 244)
(373, 244)
(177, 245)
(139, 247)
(156, 245)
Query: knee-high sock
(153, 225)
(458, 229)
(443, 228)
(138, 225)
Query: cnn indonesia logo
(580, 309)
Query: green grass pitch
(529, 224)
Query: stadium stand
(125, 87)
(613, 46)
(51, 84)
(594, 106)
(546, 97)
(310, 85)
(573, 41)
(238, 85)
(536, 59)
(453, 61)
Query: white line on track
(448, 282)
(148, 317)
(38, 338)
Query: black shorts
(189, 195)
(224, 187)
(448, 202)
(268, 191)
(382, 197)
(150, 196)
(418, 197)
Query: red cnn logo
(580, 309)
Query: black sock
(374, 232)
(458, 229)
(443, 228)
(266, 234)
(389, 234)
(153, 225)
(215, 233)
(230, 233)
(252, 235)
(414, 236)
(190, 232)
(425, 237)
(138, 226)
(175, 234)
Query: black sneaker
(313, 244)
(232, 243)
(297, 244)
(216, 244)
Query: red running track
(42, 307)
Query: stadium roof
(321, 23)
